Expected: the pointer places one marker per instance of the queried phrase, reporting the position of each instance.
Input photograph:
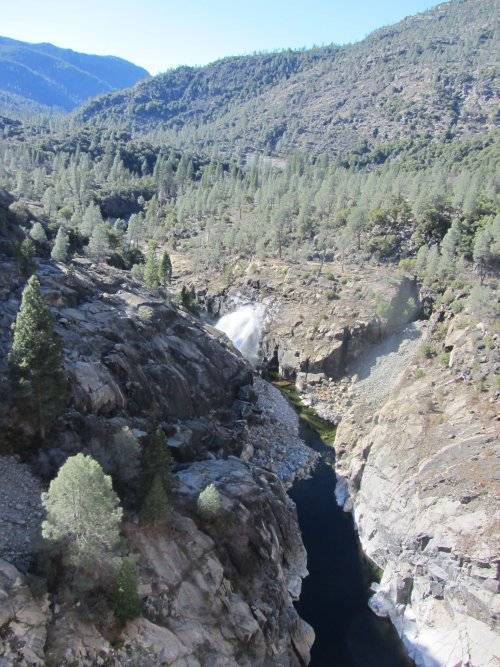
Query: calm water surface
(334, 595)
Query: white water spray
(244, 328)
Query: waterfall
(244, 328)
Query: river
(334, 598)
(335, 594)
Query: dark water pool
(334, 595)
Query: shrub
(445, 359)
(427, 350)
(209, 502)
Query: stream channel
(334, 597)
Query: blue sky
(159, 34)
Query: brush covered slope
(428, 76)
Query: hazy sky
(159, 34)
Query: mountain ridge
(427, 75)
(55, 77)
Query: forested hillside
(420, 195)
(35, 76)
(430, 77)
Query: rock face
(317, 319)
(214, 592)
(128, 354)
(421, 477)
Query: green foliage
(383, 308)
(60, 250)
(165, 270)
(323, 428)
(188, 297)
(427, 350)
(99, 248)
(152, 269)
(137, 271)
(25, 254)
(125, 598)
(35, 362)
(444, 359)
(209, 503)
(155, 506)
(482, 303)
(156, 461)
(37, 233)
(124, 460)
(83, 513)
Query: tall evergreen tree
(60, 249)
(155, 506)
(126, 603)
(35, 362)
(156, 460)
(152, 269)
(98, 247)
(165, 270)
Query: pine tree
(83, 512)
(98, 247)
(37, 233)
(165, 270)
(60, 249)
(35, 362)
(155, 506)
(25, 254)
(151, 269)
(125, 598)
(481, 253)
(157, 461)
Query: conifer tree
(152, 269)
(25, 254)
(157, 461)
(165, 270)
(83, 512)
(155, 506)
(35, 362)
(37, 233)
(125, 600)
(98, 247)
(60, 249)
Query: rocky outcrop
(217, 592)
(419, 475)
(128, 354)
(318, 318)
(214, 592)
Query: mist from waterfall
(244, 328)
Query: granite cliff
(212, 593)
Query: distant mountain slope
(54, 77)
(429, 76)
